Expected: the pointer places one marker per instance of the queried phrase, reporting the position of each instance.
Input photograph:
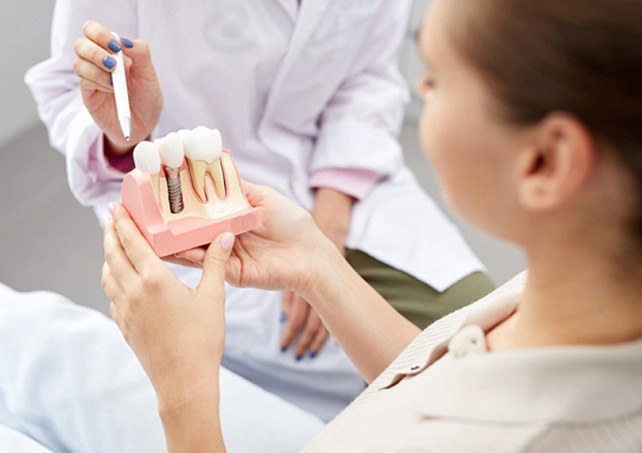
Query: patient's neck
(573, 297)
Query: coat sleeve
(54, 86)
(364, 116)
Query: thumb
(215, 262)
(138, 51)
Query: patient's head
(533, 114)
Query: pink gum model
(169, 233)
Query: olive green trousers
(418, 302)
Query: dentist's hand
(94, 64)
(177, 332)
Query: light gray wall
(24, 34)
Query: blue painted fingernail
(127, 43)
(283, 316)
(284, 348)
(114, 46)
(313, 354)
(299, 358)
(109, 62)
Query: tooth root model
(203, 148)
(177, 209)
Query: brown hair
(583, 57)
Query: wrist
(323, 272)
(180, 391)
(332, 213)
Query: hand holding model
(94, 65)
(276, 255)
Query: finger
(215, 263)
(140, 55)
(180, 261)
(312, 326)
(254, 192)
(111, 288)
(319, 341)
(88, 87)
(113, 310)
(296, 319)
(101, 35)
(286, 305)
(100, 57)
(138, 251)
(194, 256)
(117, 263)
(88, 71)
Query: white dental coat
(293, 92)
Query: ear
(558, 162)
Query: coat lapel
(309, 16)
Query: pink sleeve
(352, 181)
(123, 163)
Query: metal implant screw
(174, 190)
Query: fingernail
(114, 46)
(313, 354)
(284, 317)
(284, 348)
(109, 62)
(112, 207)
(227, 241)
(299, 358)
(127, 43)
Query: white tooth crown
(183, 133)
(203, 144)
(170, 149)
(146, 157)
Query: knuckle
(96, 54)
(110, 255)
(90, 27)
(126, 241)
(142, 46)
(151, 281)
(104, 279)
(134, 297)
(312, 331)
(78, 45)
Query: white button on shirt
(469, 340)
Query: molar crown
(203, 144)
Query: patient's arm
(177, 333)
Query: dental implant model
(171, 153)
(185, 191)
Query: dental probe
(121, 95)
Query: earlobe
(557, 164)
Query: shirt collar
(554, 384)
